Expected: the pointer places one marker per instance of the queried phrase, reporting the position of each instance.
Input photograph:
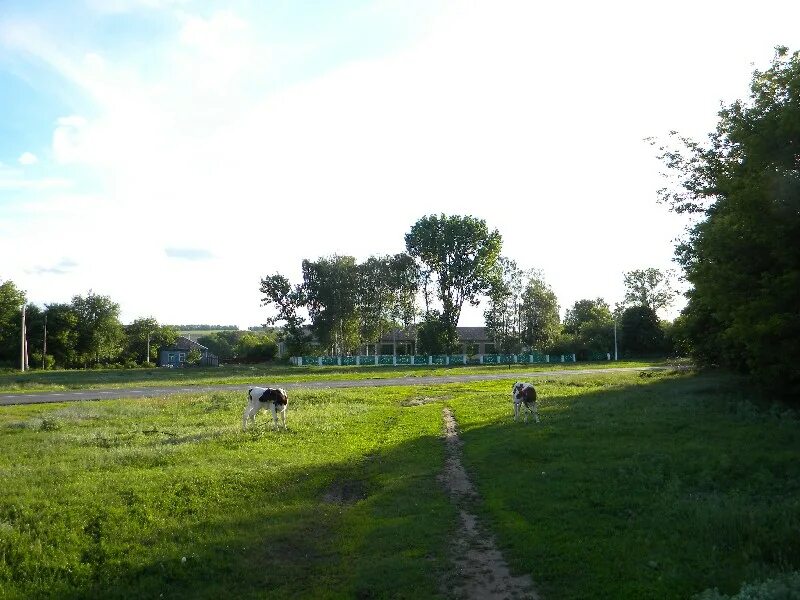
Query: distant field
(635, 485)
(38, 381)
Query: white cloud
(529, 116)
(28, 158)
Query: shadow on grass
(375, 528)
(659, 490)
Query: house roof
(184, 343)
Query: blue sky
(170, 153)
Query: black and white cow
(524, 394)
(271, 399)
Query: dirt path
(480, 571)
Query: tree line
(86, 332)
(451, 260)
(741, 253)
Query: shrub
(783, 587)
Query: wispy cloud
(193, 254)
(14, 179)
(63, 267)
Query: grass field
(654, 485)
(38, 381)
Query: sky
(171, 153)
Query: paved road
(148, 392)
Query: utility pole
(147, 358)
(44, 343)
(615, 338)
(22, 360)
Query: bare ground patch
(480, 571)
(345, 492)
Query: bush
(783, 587)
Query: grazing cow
(271, 399)
(524, 394)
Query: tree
(287, 299)
(458, 255)
(435, 336)
(222, 344)
(649, 287)
(62, 334)
(591, 325)
(386, 292)
(585, 312)
(641, 332)
(100, 334)
(330, 289)
(540, 321)
(741, 255)
(503, 315)
(11, 301)
(137, 334)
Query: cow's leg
(516, 410)
(246, 416)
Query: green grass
(654, 485)
(38, 381)
(104, 500)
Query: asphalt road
(149, 392)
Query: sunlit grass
(137, 498)
(653, 485)
(37, 381)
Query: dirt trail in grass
(480, 571)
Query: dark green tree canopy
(11, 301)
(743, 256)
(586, 312)
(540, 321)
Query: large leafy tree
(330, 290)
(591, 325)
(287, 300)
(540, 322)
(100, 333)
(62, 334)
(11, 301)
(503, 315)
(649, 287)
(386, 291)
(641, 332)
(586, 312)
(458, 256)
(742, 255)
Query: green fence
(439, 359)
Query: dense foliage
(743, 257)
(458, 256)
(87, 332)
